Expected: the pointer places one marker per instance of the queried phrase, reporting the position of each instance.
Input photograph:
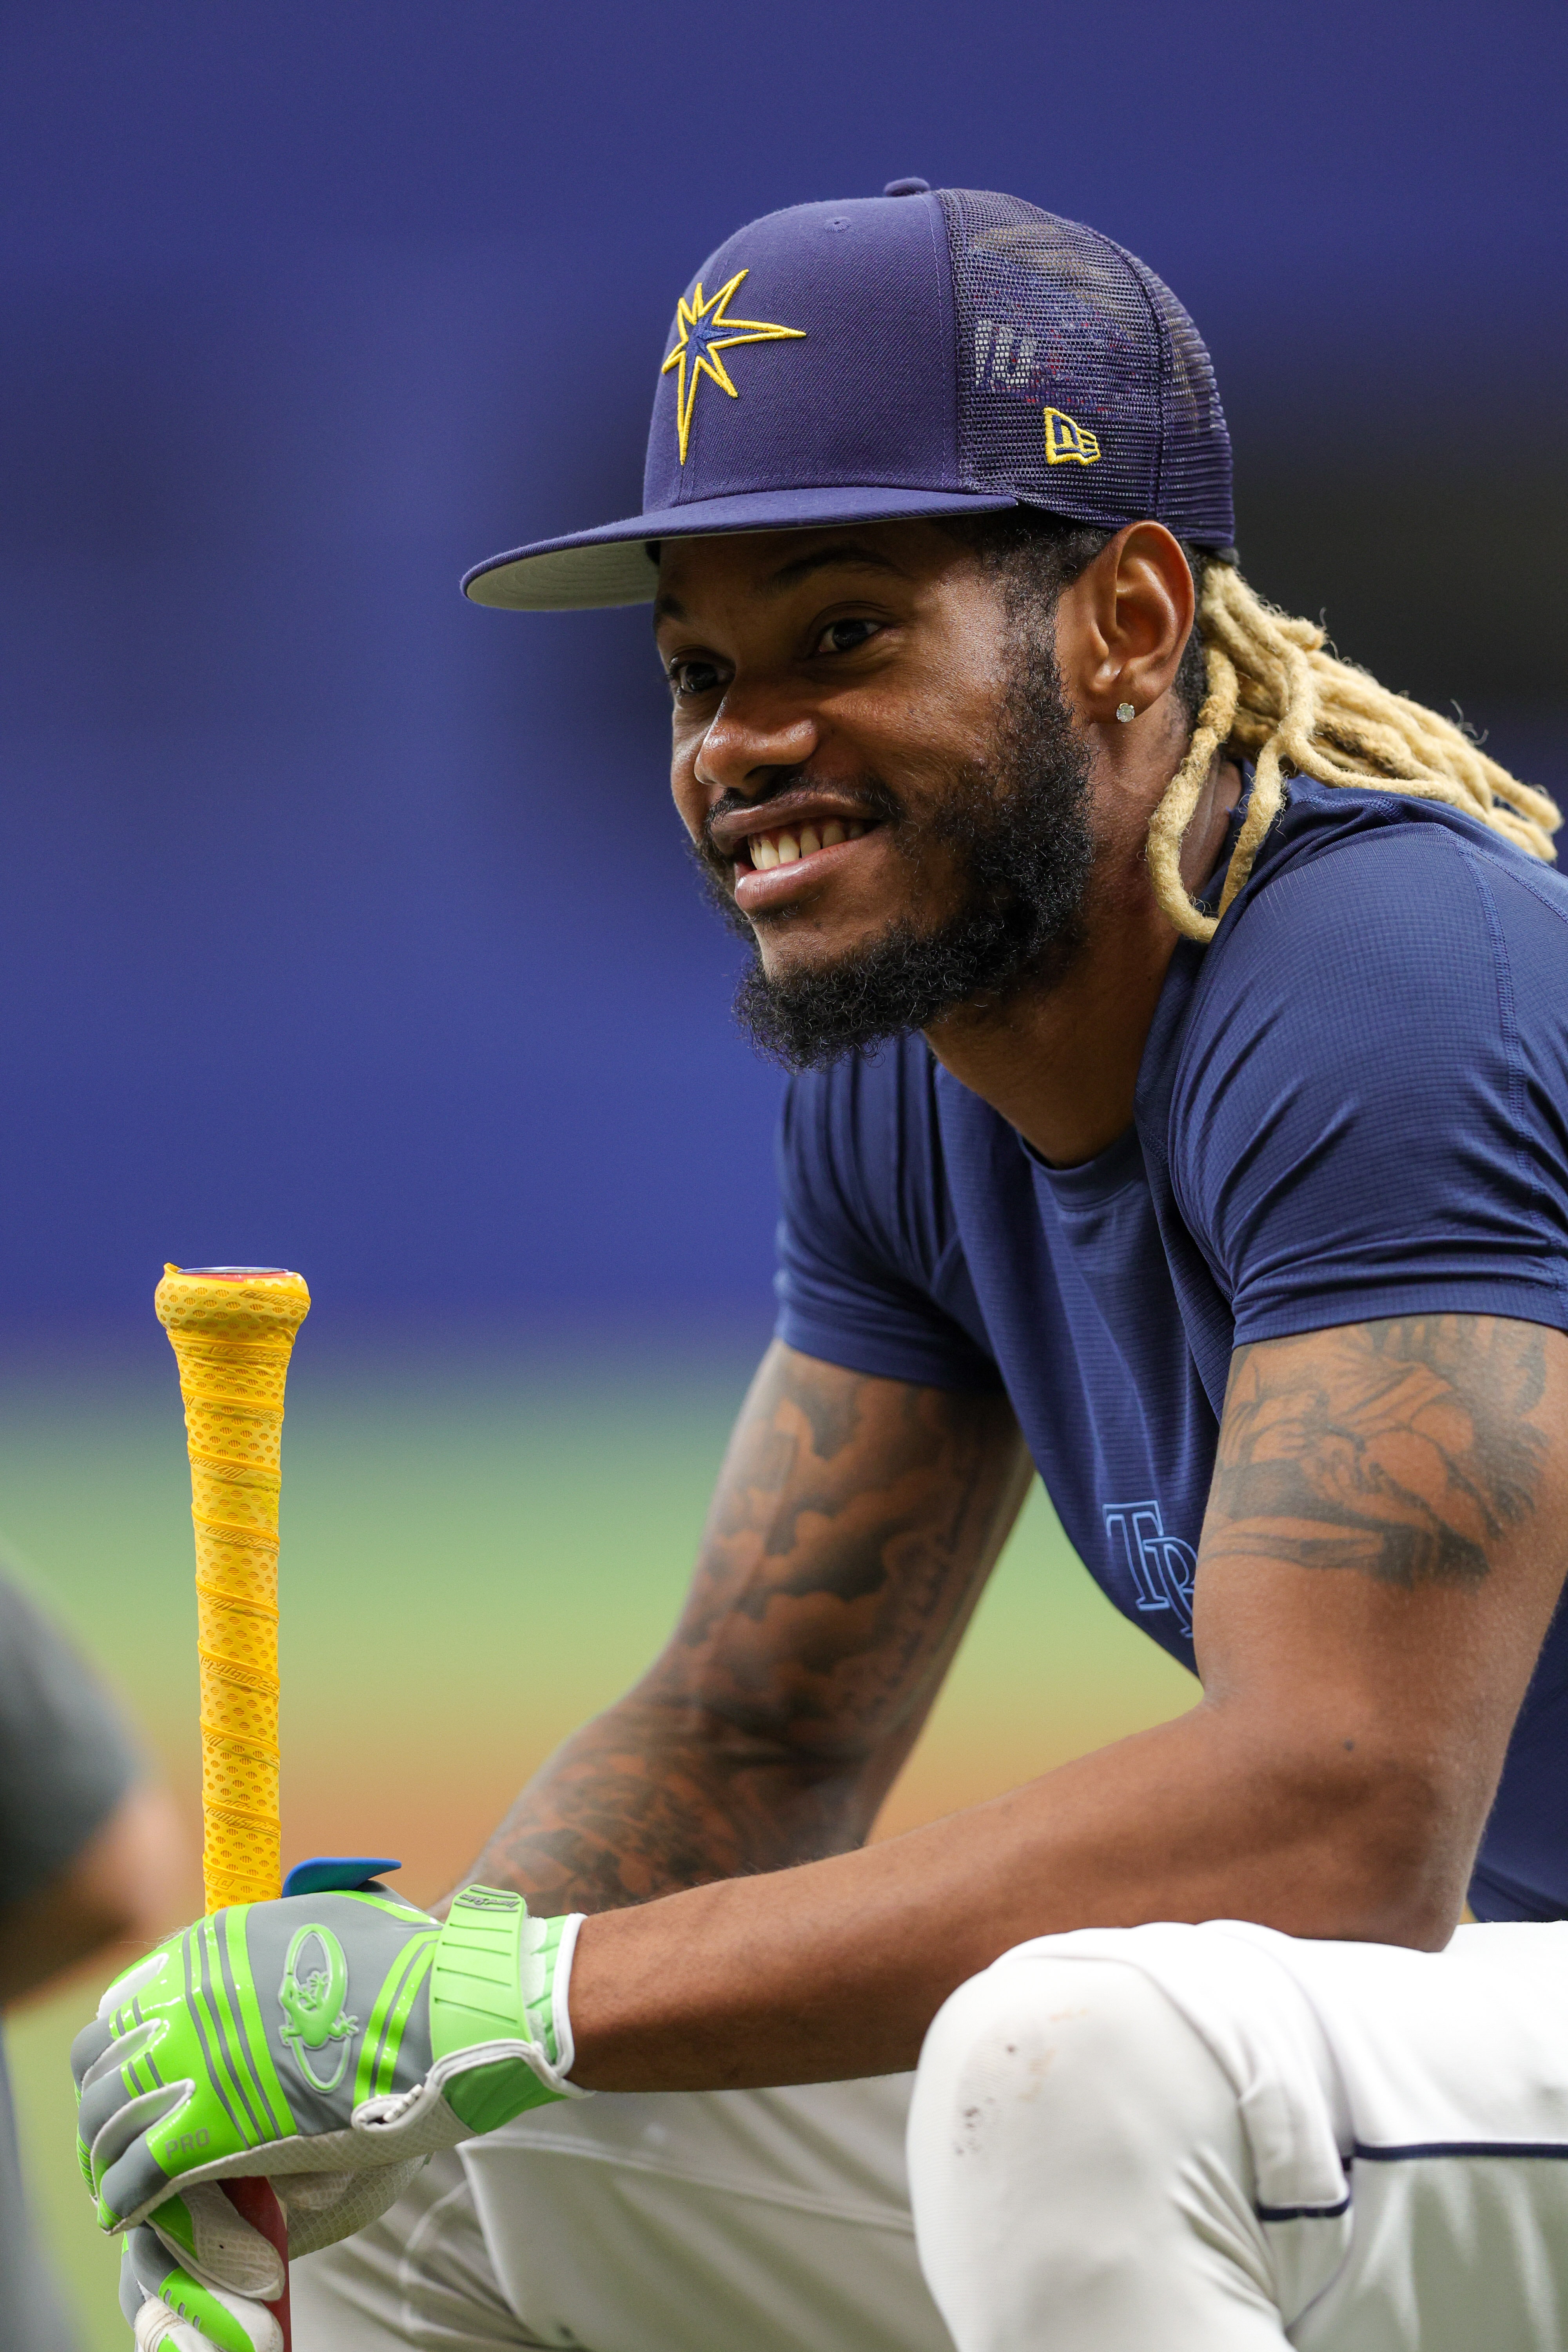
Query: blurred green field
(476, 1556)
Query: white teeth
(787, 848)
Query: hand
(196, 2274)
(334, 2033)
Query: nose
(747, 746)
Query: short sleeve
(66, 1756)
(1368, 1119)
(870, 1270)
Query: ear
(1123, 622)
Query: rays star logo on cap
(704, 330)
(952, 351)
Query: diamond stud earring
(1124, 711)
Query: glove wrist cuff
(500, 2028)
(565, 2047)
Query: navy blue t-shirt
(1353, 1104)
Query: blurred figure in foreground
(91, 1856)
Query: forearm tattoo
(1404, 1450)
(853, 1526)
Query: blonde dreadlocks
(1276, 697)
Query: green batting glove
(324, 2034)
(198, 2278)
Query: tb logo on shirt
(1162, 1567)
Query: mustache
(877, 799)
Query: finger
(142, 1978)
(133, 2294)
(179, 2311)
(89, 2046)
(165, 2305)
(158, 2330)
(111, 2080)
(129, 2175)
(200, 2230)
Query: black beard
(1016, 826)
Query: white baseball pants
(1161, 2139)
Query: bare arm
(1382, 1550)
(853, 1527)
(123, 1887)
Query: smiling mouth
(790, 845)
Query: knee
(1072, 2143)
(1045, 2033)
(1074, 2069)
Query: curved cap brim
(610, 565)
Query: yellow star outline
(697, 352)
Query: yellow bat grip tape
(232, 1330)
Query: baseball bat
(232, 1328)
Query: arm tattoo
(1403, 1449)
(853, 1526)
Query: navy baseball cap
(927, 352)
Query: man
(1188, 1129)
(90, 1855)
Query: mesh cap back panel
(1054, 317)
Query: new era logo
(1067, 442)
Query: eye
(693, 679)
(846, 636)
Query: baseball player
(1179, 1029)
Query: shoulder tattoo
(1404, 1449)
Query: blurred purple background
(344, 926)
